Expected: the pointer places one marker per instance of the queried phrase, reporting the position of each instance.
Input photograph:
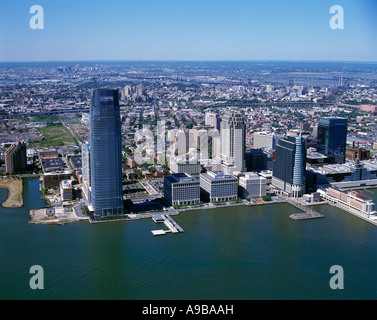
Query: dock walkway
(308, 213)
(169, 222)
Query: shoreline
(15, 190)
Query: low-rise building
(53, 179)
(355, 200)
(52, 164)
(341, 175)
(47, 153)
(312, 197)
(357, 153)
(131, 175)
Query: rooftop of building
(359, 195)
(47, 150)
(251, 175)
(53, 164)
(66, 184)
(181, 178)
(218, 175)
(76, 161)
(315, 155)
(348, 167)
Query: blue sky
(188, 30)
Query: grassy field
(53, 136)
(14, 187)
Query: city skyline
(195, 31)
(227, 221)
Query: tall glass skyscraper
(288, 173)
(332, 138)
(105, 153)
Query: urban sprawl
(130, 140)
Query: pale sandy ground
(14, 187)
(61, 216)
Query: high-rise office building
(252, 185)
(15, 158)
(181, 188)
(217, 186)
(105, 153)
(256, 160)
(289, 166)
(332, 138)
(213, 120)
(233, 140)
(264, 140)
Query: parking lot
(133, 189)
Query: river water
(243, 253)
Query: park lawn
(53, 136)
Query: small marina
(170, 223)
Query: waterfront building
(15, 158)
(351, 200)
(332, 138)
(181, 189)
(252, 186)
(66, 190)
(218, 186)
(53, 178)
(312, 197)
(106, 189)
(233, 142)
(351, 174)
(289, 166)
